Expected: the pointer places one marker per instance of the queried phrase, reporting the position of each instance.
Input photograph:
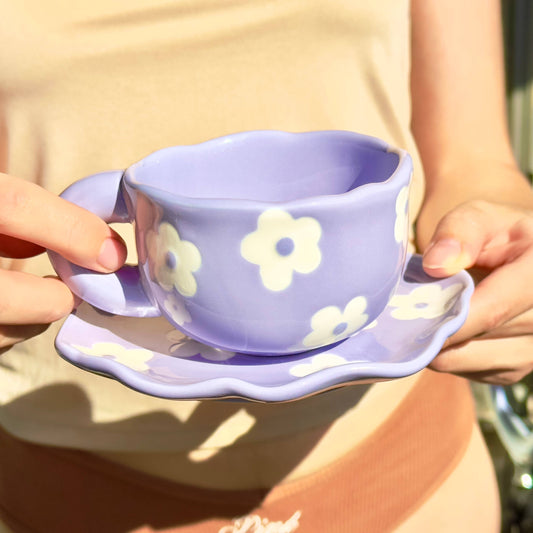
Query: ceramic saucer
(148, 355)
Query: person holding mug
(84, 90)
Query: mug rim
(401, 174)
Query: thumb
(457, 241)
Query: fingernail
(443, 254)
(112, 254)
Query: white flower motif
(134, 358)
(186, 348)
(318, 362)
(176, 309)
(400, 226)
(282, 245)
(428, 301)
(330, 324)
(174, 260)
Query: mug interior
(268, 166)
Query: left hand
(495, 345)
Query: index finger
(498, 298)
(30, 213)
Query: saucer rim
(325, 379)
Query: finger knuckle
(75, 233)
(6, 308)
(13, 201)
(467, 211)
(53, 313)
(477, 204)
(497, 318)
(469, 216)
(524, 227)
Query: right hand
(32, 220)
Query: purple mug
(262, 242)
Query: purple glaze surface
(262, 242)
(148, 355)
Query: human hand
(495, 345)
(31, 220)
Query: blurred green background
(518, 37)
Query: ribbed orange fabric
(372, 489)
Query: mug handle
(120, 292)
